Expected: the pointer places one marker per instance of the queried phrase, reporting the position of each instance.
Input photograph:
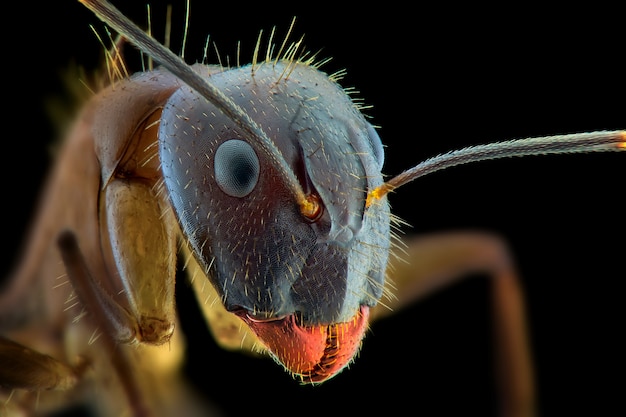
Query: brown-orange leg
(435, 261)
(87, 291)
(24, 368)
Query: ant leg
(25, 368)
(442, 259)
(87, 291)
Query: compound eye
(236, 168)
(377, 146)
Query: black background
(438, 78)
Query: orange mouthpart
(311, 353)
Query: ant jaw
(311, 353)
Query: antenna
(120, 23)
(601, 141)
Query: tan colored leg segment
(435, 261)
(88, 293)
